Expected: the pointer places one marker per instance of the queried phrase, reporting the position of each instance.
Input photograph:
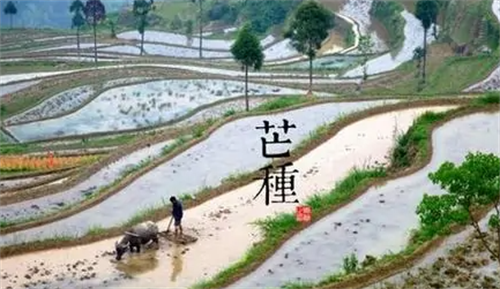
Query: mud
(8, 184)
(381, 220)
(8, 89)
(366, 142)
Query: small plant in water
(350, 264)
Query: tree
(200, 2)
(95, 12)
(78, 20)
(247, 50)
(366, 47)
(475, 183)
(308, 29)
(112, 27)
(426, 11)
(189, 31)
(11, 10)
(141, 10)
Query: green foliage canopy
(247, 49)
(141, 9)
(475, 182)
(427, 12)
(309, 27)
(10, 8)
(77, 8)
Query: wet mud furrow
(381, 220)
(366, 142)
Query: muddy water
(413, 38)
(141, 106)
(206, 164)
(51, 203)
(7, 184)
(8, 89)
(381, 220)
(223, 225)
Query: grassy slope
(446, 73)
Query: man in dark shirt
(177, 213)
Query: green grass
(457, 73)
(412, 146)
(278, 227)
(488, 98)
(168, 10)
(281, 102)
(451, 75)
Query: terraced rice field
(179, 127)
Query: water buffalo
(140, 234)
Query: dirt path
(223, 225)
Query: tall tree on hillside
(247, 50)
(308, 29)
(95, 12)
(78, 20)
(141, 10)
(426, 11)
(200, 2)
(11, 10)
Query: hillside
(48, 14)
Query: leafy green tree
(426, 11)
(200, 16)
(95, 12)
(247, 50)
(141, 10)
(308, 29)
(78, 20)
(474, 183)
(112, 27)
(366, 48)
(11, 10)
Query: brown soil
(463, 267)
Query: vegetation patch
(389, 14)
(445, 75)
